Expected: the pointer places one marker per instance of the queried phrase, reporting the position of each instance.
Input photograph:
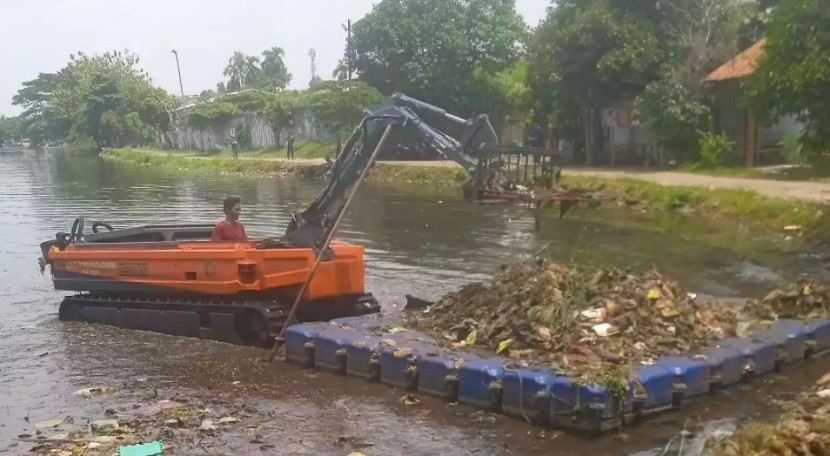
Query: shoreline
(744, 209)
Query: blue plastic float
(438, 373)
(358, 347)
(526, 395)
(480, 383)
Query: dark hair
(230, 202)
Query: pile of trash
(804, 428)
(143, 429)
(579, 322)
(802, 299)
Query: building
(755, 144)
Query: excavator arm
(310, 227)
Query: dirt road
(813, 191)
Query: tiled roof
(741, 66)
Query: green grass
(307, 149)
(273, 162)
(729, 206)
(194, 162)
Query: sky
(39, 35)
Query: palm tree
(341, 71)
(274, 71)
(239, 70)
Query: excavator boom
(309, 228)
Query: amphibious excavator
(172, 279)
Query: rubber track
(272, 313)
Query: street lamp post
(179, 68)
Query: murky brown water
(418, 241)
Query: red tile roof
(742, 65)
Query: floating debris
(577, 321)
(804, 299)
(803, 429)
(410, 400)
(90, 392)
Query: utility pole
(348, 29)
(313, 54)
(179, 68)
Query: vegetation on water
(597, 325)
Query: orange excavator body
(173, 279)
(210, 268)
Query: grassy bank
(740, 211)
(745, 209)
(269, 162)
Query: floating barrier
(411, 360)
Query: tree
(280, 110)
(87, 101)
(241, 71)
(341, 71)
(275, 75)
(588, 55)
(11, 129)
(339, 105)
(430, 49)
(705, 33)
(213, 114)
(793, 75)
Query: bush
(713, 149)
(81, 143)
(241, 135)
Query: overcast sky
(38, 35)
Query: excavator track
(239, 322)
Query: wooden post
(750, 140)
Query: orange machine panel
(222, 268)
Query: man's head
(233, 207)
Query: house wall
(732, 119)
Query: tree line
(479, 56)
(471, 56)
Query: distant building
(755, 144)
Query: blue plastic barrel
(299, 342)
(363, 358)
(725, 367)
(820, 330)
(653, 390)
(438, 373)
(399, 364)
(479, 384)
(759, 355)
(526, 393)
(691, 377)
(585, 407)
(790, 338)
(330, 348)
